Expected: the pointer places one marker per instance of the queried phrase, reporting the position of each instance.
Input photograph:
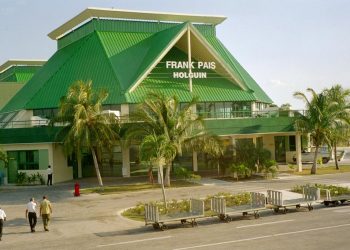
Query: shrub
(270, 167)
(334, 190)
(35, 178)
(241, 170)
(184, 173)
(21, 178)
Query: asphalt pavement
(94, 222)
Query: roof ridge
(216, 54)
(105, 54)
(161, 55)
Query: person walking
(31, 214)
(2, 219)
(49, 175)
(45, 212)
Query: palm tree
(317, 121)
(163, 116)
(339, 98)
(209, 144)
(86, 126)
(157, 150)
(4, 158)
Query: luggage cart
(277, 202)
(158, 221)
(257, 203)
(335, 199)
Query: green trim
(29, 135)
(250, 125)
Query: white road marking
(263, 237)
(267, 223)
(134, 241)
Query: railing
(251, 114)
(209, 115)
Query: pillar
(194, 161)
(298, 151)
(126, 162)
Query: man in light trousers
(45, 212)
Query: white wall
(269, 144)
(61, 171)
(56, 158)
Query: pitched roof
(19, 70)
(127, 59)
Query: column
(189, 57)
(126, 161)
(194, 161)
(298, 151)
(124, 110)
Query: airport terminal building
(129, 54)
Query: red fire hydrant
(76, 189)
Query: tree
(85, 124)
(4, 158)
(157, 149)
(339, 99)
(317, 120)
(164, 116)
(209, 144)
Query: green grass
(322, 170)
(134, 187)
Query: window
(26, 160)
(45, 113)
(219, 109)
(292, 144)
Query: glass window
(200, 107)
(210, 109)
(27, 160)
(220, 109)
(292, 143)
(227, 109)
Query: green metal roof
(18, 73)
(130, 64)
(250, 125)
(116, 60)
(213, 88)
(244, 75)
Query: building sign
(193, 66)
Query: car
(308, 154)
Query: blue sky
(286, 46)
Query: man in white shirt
(2, 219)
(31, 214)
(49, 175)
